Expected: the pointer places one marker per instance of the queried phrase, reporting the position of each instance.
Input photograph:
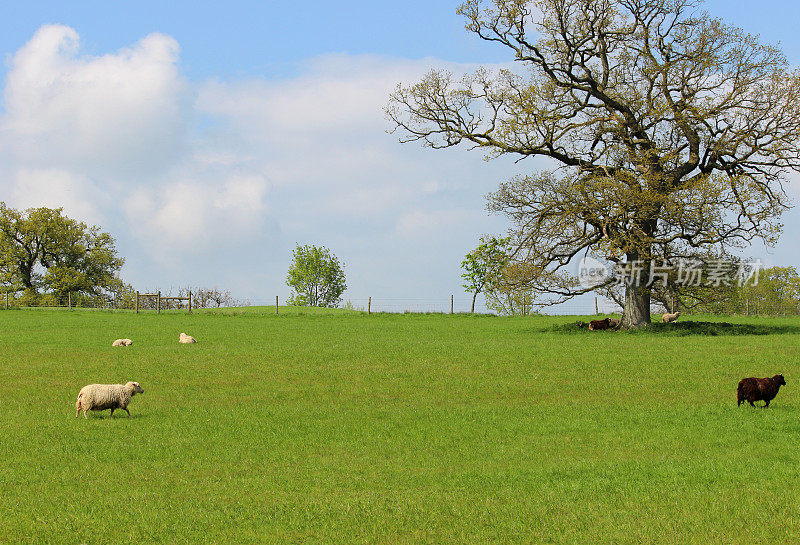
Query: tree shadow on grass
(686, 328)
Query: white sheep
(186, 339)
(122, 342)
(99, 397)
(667, 318)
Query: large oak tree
(670, 133)
(40, 248)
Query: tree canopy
(670, 133)
(316, 276)
(40, 248)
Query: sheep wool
(98, 397)
(122, 342)
(186, 339)
(753, 389)
(668, 318)
(596, 325)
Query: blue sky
(236, 39)
(209, 137)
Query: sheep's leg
(77, 410)
(751, 403)
(127, 411)
(766, 404)
(112, 413)
(84, 413)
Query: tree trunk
(26, 272)
(637, 306)
(472, 310)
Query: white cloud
(334, 91)
(440, 223)
(55, 188)
(190, 217)
(119, 113)
(187, 174)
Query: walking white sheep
(99, 397)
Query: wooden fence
(159, 299)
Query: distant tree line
(215, 298)
(777, 293)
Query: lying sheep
(596, 325)
(186, 339)
(668, 318)
(755, 389)
(122, 342)
(99, 397)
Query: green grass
(336, 427)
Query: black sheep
(596, 325)
(755, 389)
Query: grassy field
(334, 427)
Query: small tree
(509, 293)
(217, 296)
(316, 276)
(483, 265)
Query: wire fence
(461, 304)
(443, 305)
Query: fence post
(451, 303)
(158, 303)
(276, 304)
(69, 300)
(369, 306)
(137, 302)
(190, 302)
(6, 300)
(596, 311)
